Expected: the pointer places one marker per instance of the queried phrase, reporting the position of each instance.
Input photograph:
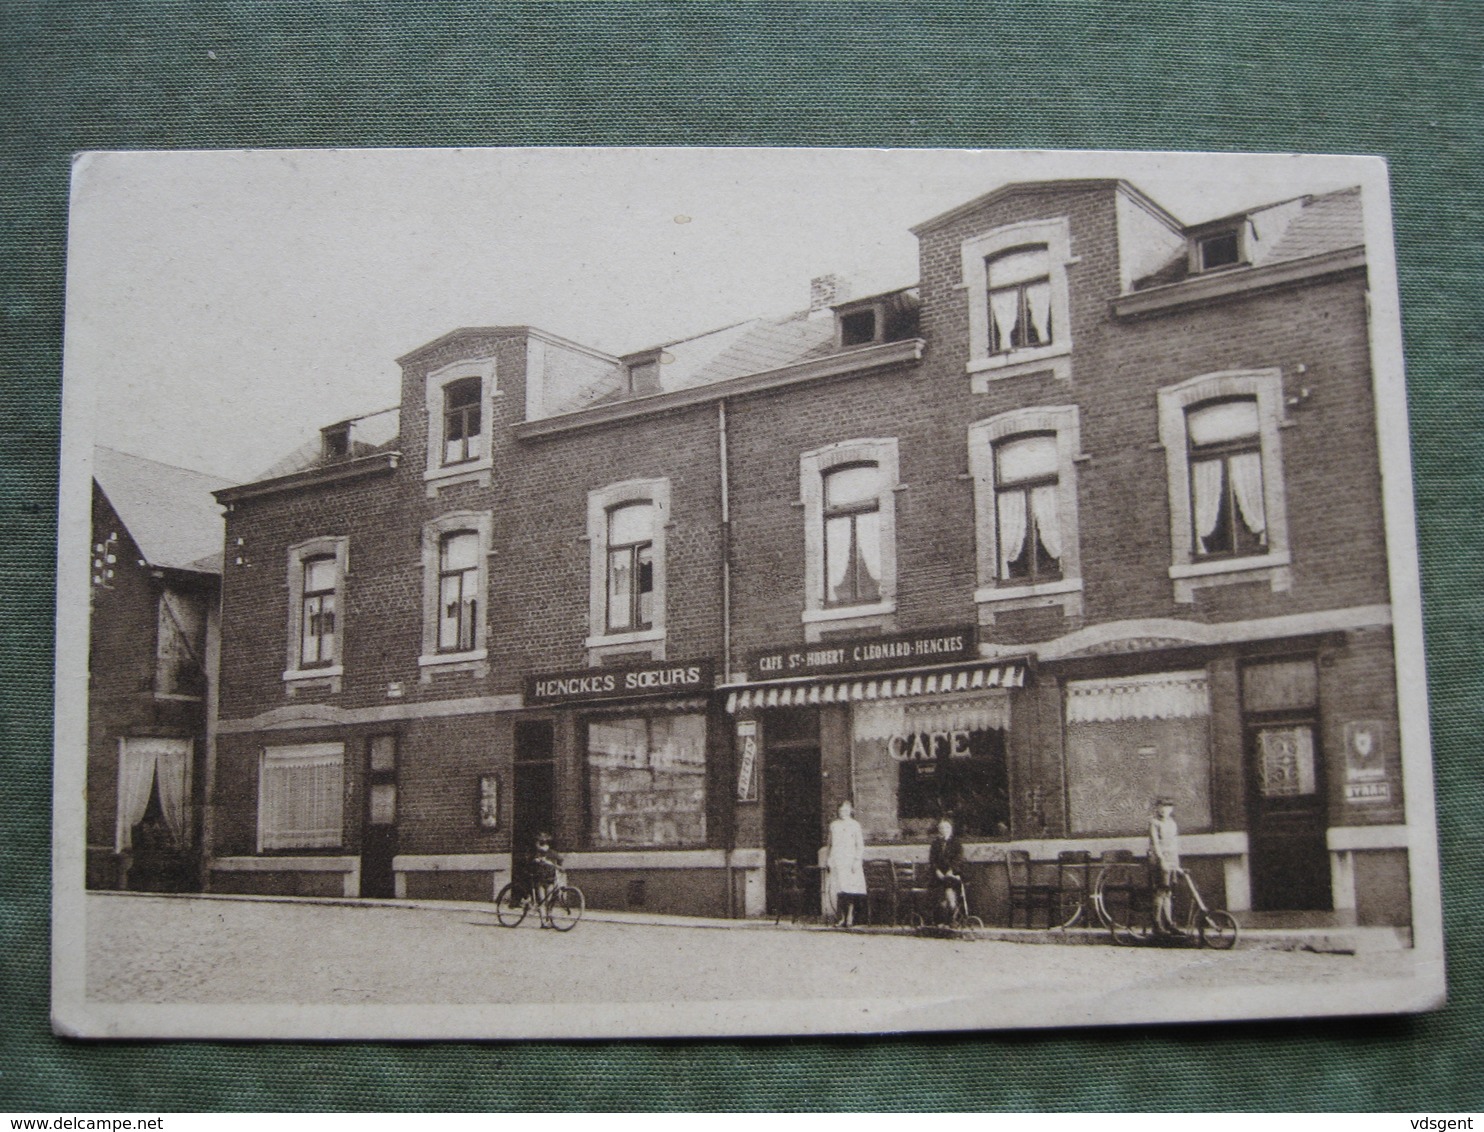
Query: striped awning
(854, 689)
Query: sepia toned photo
(621, 593)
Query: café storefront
(910, 727)
(623, 763)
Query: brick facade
(734, 584)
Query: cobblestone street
(153, 950)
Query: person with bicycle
(1164, 866)
(945, 881)
(546, 868)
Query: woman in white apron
(846, 862)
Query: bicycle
(1123, 900)
(962, 922)
(561, 907)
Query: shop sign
(621, 682)
(865, 654)
(1367, 792)
(747, 761)
(1364, 751)
(927, 746)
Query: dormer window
(1221, 250)
(1019, 300)
(335, 441)
(463, 423)
(1212, 249)
(460, 407)
(858, 328)
(887, 317)
(1019, 297)
(642, 374)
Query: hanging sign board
(747, 761)
(865, 654)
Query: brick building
(156, 572)
(1089, 514)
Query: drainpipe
(726, 624)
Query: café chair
(909, 889)
(881, 889)
(1028, 893)
(788, 889)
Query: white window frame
(1187, 573)
(475, 659)
(439, 474)
(295, 676)
(819, 616)
(600, 502)
(1195, 264)
(993, 593)
(977, 251)
(305, 753)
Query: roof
(1019, 187)
(748, 347)
(168, 511)
(368, 434)
(1285, 231)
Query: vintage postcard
(531, 593)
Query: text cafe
(910, 727)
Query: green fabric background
(1401, 79)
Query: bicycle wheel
(511, 906)
(1218, 929)
(1116, 899)
(1069, 906)
(564, 908)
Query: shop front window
(646, 779)
(1132, 739)
(919, 762)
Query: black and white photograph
(562, 593)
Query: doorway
(379, 834)
(534, 791)
(1286, 812)
(792, 819)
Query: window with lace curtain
(1226, 501)
(1024, 467)
(1228, 508)
(301, 797)
(1019, 287)
(1019, 296)
(852, 534)
(848, 493)
(1027, 508)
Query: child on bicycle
(945, 882)
(546, 867)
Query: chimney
(825, 291)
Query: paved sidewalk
(1335, 941)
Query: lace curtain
(147, 765)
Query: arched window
(852, 534)
(1028, 508)
(1226, 489)
(1019, 292)
(317, 620)
(458, 591)
(630, 580)
(463, 424)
